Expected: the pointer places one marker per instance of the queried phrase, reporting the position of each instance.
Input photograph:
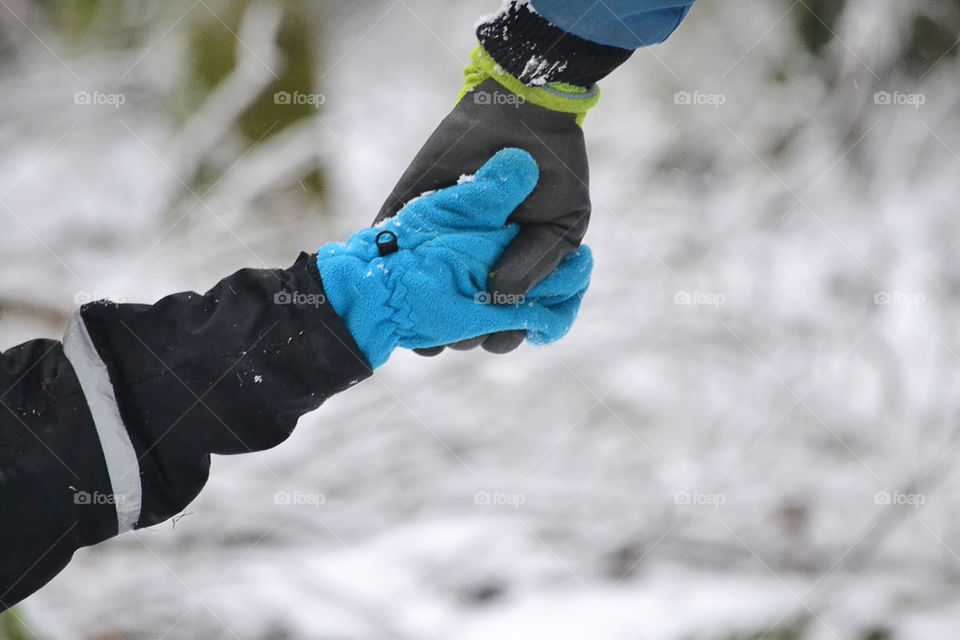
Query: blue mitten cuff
(426, 285)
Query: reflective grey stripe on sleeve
(118, 451)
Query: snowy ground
(751, 429)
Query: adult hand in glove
(497, 110)
(419, 279)
(530, 84)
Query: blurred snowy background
(751, 433)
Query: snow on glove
(420, 279)
(497, 110)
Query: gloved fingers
(482, 201)
(539, 323)
(548, 311)
(468, 344)
(499, 322)
(503, 341)
(498, 343)
(429, 352)
(531, 257)
(571, 277)
(554, 322)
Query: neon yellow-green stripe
(556, 96)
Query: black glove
(516, 97)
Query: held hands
(496, 110)
(419, 279)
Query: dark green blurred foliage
(818, 21)
(934, 32)
(210, 30)
(74, 19)
(13, 627)
(213, 53)
(879, 633)
(214, 48)
(799, 629)
(793, 630)
(933, 40)
(92, 25)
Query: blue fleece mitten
(418, 279)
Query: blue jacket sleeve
(628, 24)
(577, 42)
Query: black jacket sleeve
(113, 429)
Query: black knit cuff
(534, 51)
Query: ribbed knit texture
(536, 52)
